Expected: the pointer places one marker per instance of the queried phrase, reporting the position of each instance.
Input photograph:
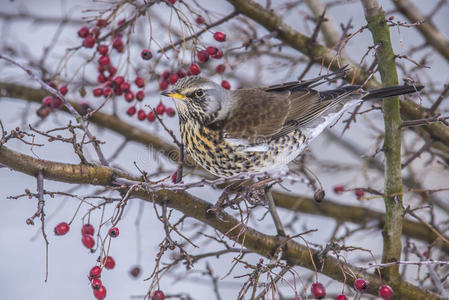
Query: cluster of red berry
(52, 102)
(339, 189)
(360, 285)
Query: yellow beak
(173, 94)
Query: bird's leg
(224, 197)
(273, 211)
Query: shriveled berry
(386, 292)
(218, 55)
(203, 56)
(98, 92)
(151, 117)
(225, 84)
(96, 283)
(42, 112)
(173, 78)
(95, 32)
(88, 241)
(338, 189)
(220, 68)
(141, 115)
(146, 54)
(318, 290)
(139, 82)
(63, 90)
(158, 295)
(100, 293)
(107, 92)
(103, 49)
(200, 20)
(181, 73)
(87, 229)
(341, 297)
(131, 111)
(160, 108)
(83, 32)
(359, 193)
(125, 86)
(170, 112)
(135, 271)
(95, 272)
(140, 95)
(62, 228)
(163, 85)
(114, 232)
(85, 108)
(109, 262)
(361, 284)
(219, 36)
(89, 41)
(194, 69)
(118, 45)
(129, 96)
(102, 23)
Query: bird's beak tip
(172, 94)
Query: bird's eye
(199, 93)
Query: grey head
(201, 99)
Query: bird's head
(201, 99)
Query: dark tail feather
(390, 91)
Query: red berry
(129, 96)
(174, 177)
(121, 22)
(47, 100)
(63, 90)
(53, 85)
(318, 290)
(338, 189)
(95, 272)
(104, 60)
(158, 295)
(219, 36)
(211, 50)
(173, 78)
(118, 45)
(200, 20)
(101, 78)
(165, 74)
(84, 108)
(103, 49)
(107, 92)
(131, 111)
(101, 23)
(220, 68)
(146, 54)
(139, 82)
(359, 193)
(88, 241)
(62, 228)
(135, 271)
(151, 117)
(83, 32)
(109, 263)
(87, 229)
(160, 108)
(225, 84)
(170, 112)
(386, 292)
(140, 95)
(194, 69)
(96, 283)
(89, 41)
(57, 103)
(100, 294)
(119, 80)
(203, 56)
(118, 91)
(361, 284)
(98, 92)
(114, 232)
(341, 297)
(218, 55)
(171, 1)
(125, 86)
(163, 85)
(181, 73)
(112, 70)
(141, 115)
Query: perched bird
(260, 129)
